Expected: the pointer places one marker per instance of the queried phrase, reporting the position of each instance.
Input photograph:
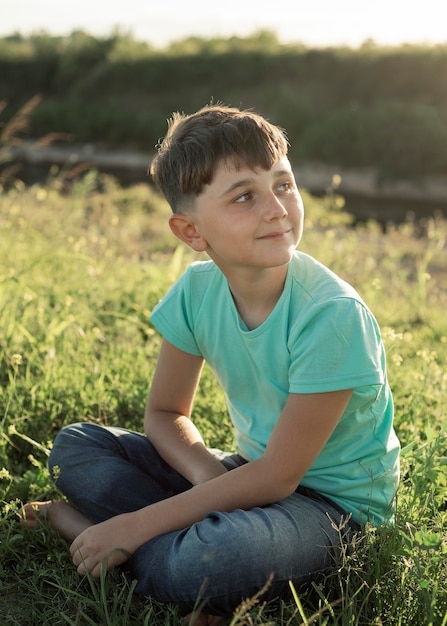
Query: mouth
(276, 234)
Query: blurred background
(360, 88)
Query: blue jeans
(227, 557)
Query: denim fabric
(226, 557)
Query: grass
(81, 265)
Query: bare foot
(60, 515)
(203, 619)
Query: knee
(208, 547)
(65, 448)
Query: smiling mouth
(279, 234)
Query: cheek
(299, 210)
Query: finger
(90, 565)
(78, 555)
(96, 571)
(76, 547)
(83, 569)
(78, 560)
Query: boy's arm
(302, 430)
(167, 420)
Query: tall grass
(81, 265)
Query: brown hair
(195, 144)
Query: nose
(274, 208)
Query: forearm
(113, 541)
(245, 487)
(180, 444)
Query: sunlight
(321, 23)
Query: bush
(401, 140)
(373, 106)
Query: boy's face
(246, 218)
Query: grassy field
(81, 266)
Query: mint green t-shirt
(320, 337)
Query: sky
(313, 22)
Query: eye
(286, 186)
(245, 197)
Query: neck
(255, 296)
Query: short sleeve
(339, 347)
(173, 316)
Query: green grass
(81, 266)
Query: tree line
(373, 106)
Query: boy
(300, 359)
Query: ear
(183, 227)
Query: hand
(107, 544)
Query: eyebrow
(248, 181)
(236, 185)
